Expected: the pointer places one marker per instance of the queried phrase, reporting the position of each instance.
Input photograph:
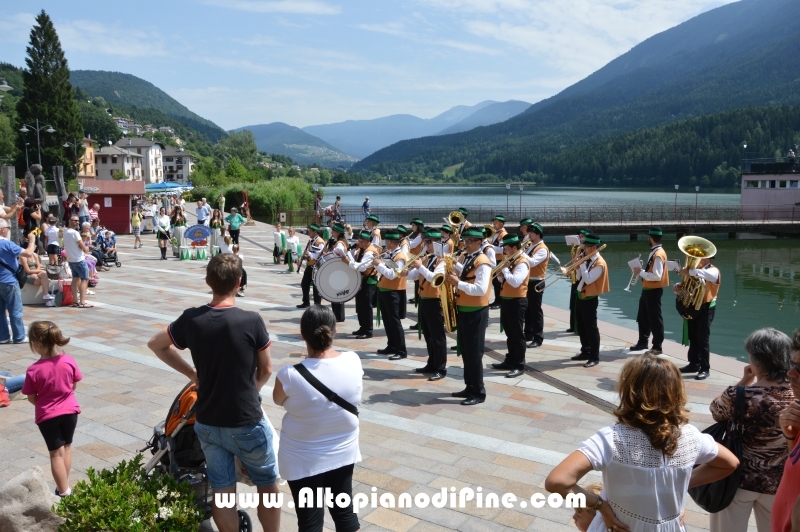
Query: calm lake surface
(760, 278)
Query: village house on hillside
(110, 159)
(178, 164)
(86, 164)
(152, 160)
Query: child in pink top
(50, 386)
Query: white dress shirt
(388, 272)
(518, 276)
(483, 274)
(658, 267)
(315, 251)
(488, 249)
(405, 247)
(424, 271)
(376, 239)
(588, 276)
(538, 257)
(366, 261)
(709, 273)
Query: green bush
(267, 198)
(126, 499)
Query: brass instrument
(565, 271)
(410, 259)
(489, 231)
(447, 293)
(511, 258)
(456, 220)
(692, 291)
(573, 276)
(634, 277)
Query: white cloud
(16, 28)
(98, 38)
(399, 29)
(299, 7)
(389, 28)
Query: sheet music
(635, 263)
(573, 240)
(437, 249)
(673, 265)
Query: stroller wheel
(245, 524)
(119, 264)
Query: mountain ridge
(284, 139)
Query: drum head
(336, 281)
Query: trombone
(634, 277)
(567, 269)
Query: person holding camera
(31, 216)
(83, 208)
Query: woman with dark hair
(319, 438)
(162, 224)
(648, 457)
(764, 451)
(31, 215)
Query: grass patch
(450, 171)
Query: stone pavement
(414, 436)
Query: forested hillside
(739, 55)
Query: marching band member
(391, 292)
(417, 243)
(448, 246)
(573, 293)
(593, 283)
(361, 261)
(466, 225)
(513, 297)
(405, 242)
(500, 233)
(654, 278)
(313, 250)
(488, 250)
(473, 313)
(337, 245)
(430, 309)
(371, 223)
(538, 257)
(700, 326)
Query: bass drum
(336, 281)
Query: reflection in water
(760, 288)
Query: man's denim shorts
(79, 269)
(252, 444)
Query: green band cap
(473, 232)
(314, 227)
(417, 221)
(655, 231)
(499, 218)
(366, 235)
(463, 211)
(526, 221)
(339, 228)
(373, 218)
(391, 235)
(592, 239)
(537, 228)
(402, 229)
(433, 233)
(447, 228)
(585, 232)
(512, 240)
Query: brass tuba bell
(456, 219)
(489, 231)
(692, 290)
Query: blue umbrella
(163, 186)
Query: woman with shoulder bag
(319, 438)
(764, 450)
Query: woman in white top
(226, 245)
(291, 248)
(319, 439)
(647, 458)
(162, 225)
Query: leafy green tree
(98, 124)
(49, 97)
(240, 146)
(7, 139)
(235, 171)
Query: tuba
(489, 231)
(447, 294)
(692, 291)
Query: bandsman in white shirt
(416, 243)
(700, 325)
(391, 288)
(538, 257)
(473, 281)
(654, 279)
(405, 247)
(448, 246)
(371, 224)
(573, 293)
(312, 252)
(513, 298)
(360, 260)
(593, 282)
(431, 319)
(500, 233)
(340, 247)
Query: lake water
(760, 278)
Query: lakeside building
(178, 164)
(110, 159)
(770, 186)
(86, 164)
(152, 160)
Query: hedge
(267, 198)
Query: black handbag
(19, 273)
(717, 496)
(329, 394)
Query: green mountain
(293, 142)
(128, 91)
(739, 55)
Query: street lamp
(4, 87)
(676, 200)
(27, 164)
(696, 192)
(75, 150)
(508, 187)
(24, 129)
(520, 200)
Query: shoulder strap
(329, 394)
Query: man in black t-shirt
(230, 351)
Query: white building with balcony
(152, 159)
(178, 164)
(111, 159)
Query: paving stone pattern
(414, 436)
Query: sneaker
(5, 341)
(47, 296)
(90, 292)
(23, 341)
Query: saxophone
(573, 275)
(447, 294)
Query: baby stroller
(109, 257)
(176, 451)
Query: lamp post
(27, 164)
(696, 192)
(75, 151)
(520, 200)
(508, 187)
(676, 201)
(24, 129)
(4, 87)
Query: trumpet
(634, 278)
(565, 271)
(511, 258)
(410, 259)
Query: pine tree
(49, 97)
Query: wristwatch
(596, 505)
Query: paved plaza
(414, 436)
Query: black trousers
(338, 311)
(471, 338)
(512, 314)
(649, 317)
(534, 316)
(432, 322)
(586, 314)
(364, 306)
(306, 285)
(699, 335)
(234, 235)
(496, 285)
(403, 304)
(390, 313)
(243, 281)
(312, 519)
(573, 296)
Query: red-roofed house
(115, 199)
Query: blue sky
(305, 62)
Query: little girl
(51, 234)
(243, 282)
(225, 245)
(50, 386)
